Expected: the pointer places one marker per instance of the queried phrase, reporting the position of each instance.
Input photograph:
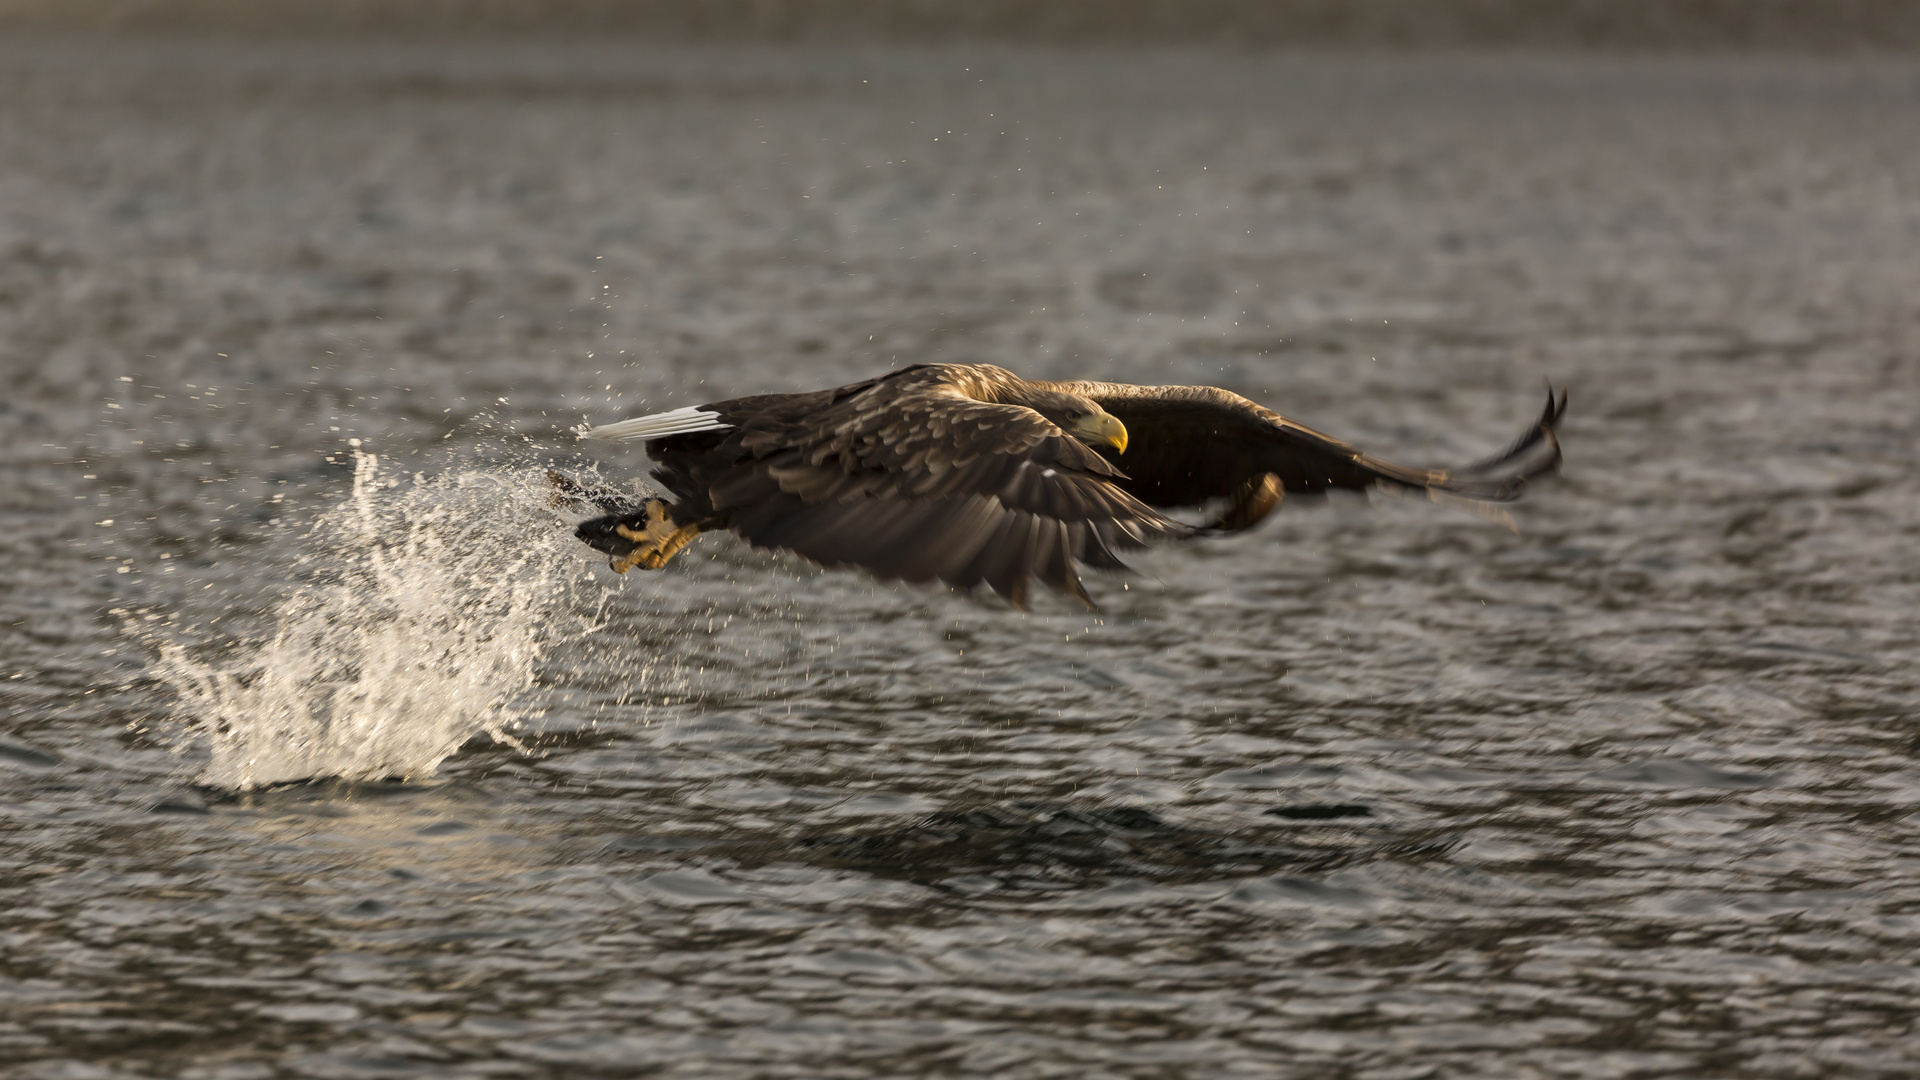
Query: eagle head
(1083, 420)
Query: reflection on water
(1026, 848)
(1377, 791)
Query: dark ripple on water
(1379, 791)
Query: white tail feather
(678, 422)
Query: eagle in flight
(967, 473)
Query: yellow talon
(634, 557)
(654, 545)
(680, 538)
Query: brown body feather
(968, 473)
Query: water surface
(1378, 791)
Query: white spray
(430, 608)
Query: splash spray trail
(427, 609)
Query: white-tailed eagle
(967, 473)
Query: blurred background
(1794, 25)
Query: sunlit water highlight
(431, 605)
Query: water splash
(427, 609)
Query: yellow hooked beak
(1100, 427)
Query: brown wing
(1188, 444)
(911, 478)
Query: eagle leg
(657, 541)
(1249, 505)
(645, 537)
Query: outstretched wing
(1188, 444)
(912, 478)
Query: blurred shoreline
(1792, 26)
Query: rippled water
(1378, 791)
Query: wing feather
(909, 477)
(1189, 444)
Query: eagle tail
(656, 426)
